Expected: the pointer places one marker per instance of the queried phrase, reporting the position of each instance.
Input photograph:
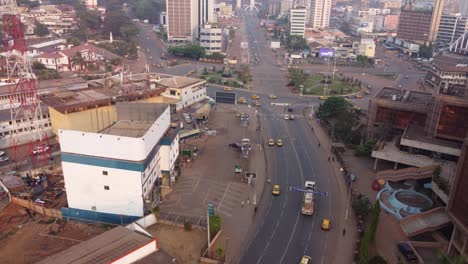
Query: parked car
(306, 260)
(4, 158)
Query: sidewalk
(347, 243)
(389, 232)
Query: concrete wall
(112, 146)
(169, 155)
(85, 189)
(91, 120)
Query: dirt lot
(23, 239)
(185, 246)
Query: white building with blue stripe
(117, 171)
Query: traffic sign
(211, 211)
(295, 189)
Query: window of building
(105, 173)
(106, 187)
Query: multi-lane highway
(284, 235)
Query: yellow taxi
(358, 96)
(254, 96)
(276, 189)
(326, 224)
(323, 97)
(238, 114)
(279, 143)
(271, 142)
(306, 260)
(272, 96)
(257, 103)
(227, 89)
(356, 107)
(242, 100)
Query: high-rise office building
(185, 17)
(297, 21)
(451, 27)
(419, 21)
(319, 13)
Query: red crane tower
(24, 98)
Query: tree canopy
(297, 43)
(119, 24)
(189, 51)
(148, 9)
(41, 29)
(333, 106)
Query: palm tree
(443, 258)
(78, 60)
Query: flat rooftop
(101, 249)
(451, 63)
(389, 93)
(179, 82)
(127, 128)
(417, 133)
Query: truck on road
(308, 200)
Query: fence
(50, 212)
(197, 222)
(97, 217)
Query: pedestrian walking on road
(319, 144)
(344, 231)
(242, 204)
(328, 159)
(333, 158)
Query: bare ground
(183, 245)
(25, 240)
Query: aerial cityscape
(234, 131)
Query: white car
(4, 158)
(40, 149)
(2, 153)
(286, 117)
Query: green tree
(426, 51)
(361, 205)
(377, 260)
(73, 41)
(297, 43)
(333, 106)
(189, 51)
(220, 252)
(365, 149)
(41, 30)
(375, 214)
(364, 248)
(37, 66)
(77, 59)
(215, 224)
(443, 258)
(148, 9)
(128, 31)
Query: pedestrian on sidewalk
(268, 181)
(319, 144)
(344, 231)
(242, 204)
(333, 158)
(328, 159)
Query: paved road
(284, 235)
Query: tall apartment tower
(319, 13)
(285, 5)
(464, 7)
(205, 12)
(451, 27)
(420, 24)
(297, 21)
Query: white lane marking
(277, 222)
(298, 213)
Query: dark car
(290, 109)
(407, 252)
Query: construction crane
(24, 98)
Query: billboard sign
(326, 53)
(275, 44)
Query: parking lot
(210, 177)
